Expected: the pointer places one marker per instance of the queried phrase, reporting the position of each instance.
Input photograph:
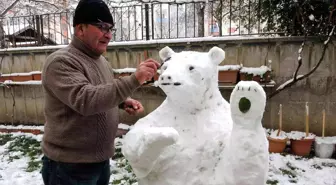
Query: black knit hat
(92, 11)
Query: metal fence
(139, 21)
(36, 30)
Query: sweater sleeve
(69, 84)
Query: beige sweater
(81, 104)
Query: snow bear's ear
(217, 55)
(165, 53)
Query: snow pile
(20, 161)
(121, 171)
(229, 67)
(16, 74)
(145, 42)
(29, 82)
(124, 126)
(22, 127)
(124, 70)
(41, 128)
(283, 170)
(297, 135)
(21, 74)
(35, 72)
(325, 140)
(274, 134)
(255, 70)
(294, 170)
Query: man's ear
(80, 28)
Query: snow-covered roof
(16, 29)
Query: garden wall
(318, 90)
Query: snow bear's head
(189, 73)
(248, 101)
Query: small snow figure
(246, 155)
(181, 142)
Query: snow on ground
(291, 169)
(20, 156)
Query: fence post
(41, 30)
(38, 29)
(152, 16)
(147, 20)
(2, 34)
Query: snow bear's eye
(167, 59)
(191, 68)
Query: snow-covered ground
(20, 156)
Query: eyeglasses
(104, 28)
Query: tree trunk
(200, 14)
(220, 18)
(2, 36)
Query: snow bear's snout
(167, 79)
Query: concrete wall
(318, 90)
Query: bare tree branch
(292, 81)
(302, 45)
(8, 8)
(299, 60)
(51, 4)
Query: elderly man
(82, 100)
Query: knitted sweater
(81, 105)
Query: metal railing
(143, 22)
(36, 30)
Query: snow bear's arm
(143, 144)
(155, 117)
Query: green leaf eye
(244, 105)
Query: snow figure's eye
(167, 59)
(164, 67)
(244, 105)
(191, 68)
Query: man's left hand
(132, 106)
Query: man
(82, 100)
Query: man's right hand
(146, 70)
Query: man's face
(97, 36)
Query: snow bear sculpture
(182, 141)
(245, 158)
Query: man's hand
(132, 106)
(146, 70)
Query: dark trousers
(59, 173)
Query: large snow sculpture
(182, 141)
(245, 158)
(195, 137)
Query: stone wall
(318, 90)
